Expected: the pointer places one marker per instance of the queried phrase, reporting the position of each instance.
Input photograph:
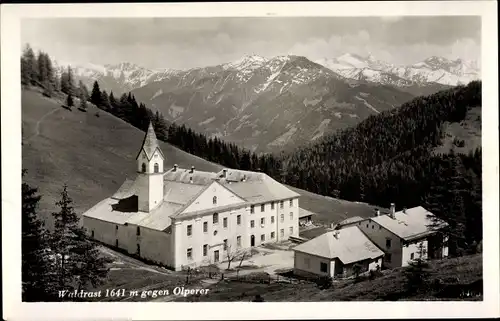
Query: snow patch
(367, 104)
(158, 93)
(284, 138)
(207, 121)
(175, 111)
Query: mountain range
(282, 102)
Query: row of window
(156, 167)
(238, 242)
(215, 220)
(263, 206)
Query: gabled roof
(304, 212)
(182, 175)
(351, 220)
(414, 222)
(351, 245)
(150, 144)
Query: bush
(324, 282)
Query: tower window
(214, 200)
(138, 230)
(156, 168)
(215, 218)
(143, 168)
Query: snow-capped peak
(245, 62)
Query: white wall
(215, 242)
(154, 245)
(378, 235)
(157, 158)
(312, 264)
(413, 247)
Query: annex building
(184, 217)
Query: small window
(282, 217)
(291, 203)
(189, 230)
(323, 267)
(412, 256)
(272, 219)
(262, 221)
(366, 225)
(225, 245)
(238, 219)
(238, 240)
(205, 227)
(388, 243)
(92, 233)
(252, 223)
(291, 230)
(262, 238)
(116, 227)
(116, 242)
(388, 257)
(281, 204)
(282, 232)
(138, 249)
(143, 168)
(214, 200)
(138, 232)
(263, 207)
(379, 227)
(215, 218)
(189, 253)
(373, 226)
(156, 168)
(272, 235)
(205, 250)
(224, 222)
(291, 215)
(252, 210)
(272, 205)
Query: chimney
(224, 173)
(404, 210)
(175, 168)
(336, 234)
(244, 178)
(392, 212)
(192, 170)
(191, 179)
(377, 212)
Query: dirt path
(37, 125)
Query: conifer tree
(79, 263)
(36, 264)
(69, 101)
(29, 66)
(417, 271)
(95, 96)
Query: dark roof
(150, 143)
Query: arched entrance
(252, 240)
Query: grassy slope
(94, 155)
(390, 286)
(468, 130)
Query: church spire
(150, 143)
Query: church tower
(150, 172)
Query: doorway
(252, 240)
(216, 256)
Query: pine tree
(83, 100)
(79, 263)
(69, 101)
(95, 97)
(29, 66)
(105, 105)
(36, 264)
(417, 273)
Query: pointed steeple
(150, 143)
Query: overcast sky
(183, 43)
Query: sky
(183, 43)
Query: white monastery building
(185, 217)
